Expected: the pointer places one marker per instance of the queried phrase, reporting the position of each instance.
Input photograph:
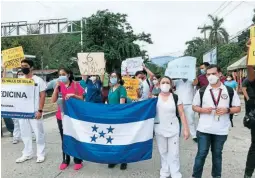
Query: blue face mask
(63, 79)
(113, 80)
(202, 71)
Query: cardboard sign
(132, 65)
(251, 54)
(182, 68)
(18, 98)
(12, 57)
(91, 63)
(131, 86)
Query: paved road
(234, 158)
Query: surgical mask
(213, 79)
(63, 79)
(93, 78)
(165, 88)
(113, 81)
(155, 82)
(20, 76)
(25, 70)
(140, 80)
(228, 79)
(202, 71)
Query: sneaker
(15, 141)
(23, 159)
(195, 140)
(123, 166)
(33, 138)
(77, 166)
(63, 166)
(111, 165)
(40, 159)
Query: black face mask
(25, 70)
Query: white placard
(132, 65)
(91, 63)
(183, 67)
(17, 98)
(211, 56)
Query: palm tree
(217, 34)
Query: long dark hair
(69, 72)
(171, 83)
(119, 77)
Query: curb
(45, 116)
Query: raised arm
(151, 74)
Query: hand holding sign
(91, 63)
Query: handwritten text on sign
(132, 65)
(131, 86)
(183, 67)
(12, 57)
(91, 63)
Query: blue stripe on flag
(20, 115)
(110, 114)
(108, 154)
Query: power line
(232, 9)
(224, 8)
(222, 4)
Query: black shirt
(250, 88)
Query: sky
(170, 23)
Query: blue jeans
(205, 141)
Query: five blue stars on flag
(102, 134)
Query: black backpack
(176, 107)
(230, 93)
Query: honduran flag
(111, 134)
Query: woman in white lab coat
(168, 130)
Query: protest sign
(12, 57)
(132, 65)
(131, 86)
(183, 67)
(211, 56)
(251, 55)
(17, 97)
(91, 63)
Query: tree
(217, 34)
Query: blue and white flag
(110, 134)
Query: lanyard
(213, 98)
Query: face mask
(165, 88)
(140, 80)
(25, 70)
(93, 78)
(113, 80)
(202, 71)
(213, 79)
(155, 82)
(63, 79)
(228, 79)
(20, 76)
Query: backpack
(230, 93)
(176, 108)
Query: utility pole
(201, 28)
(81, 34)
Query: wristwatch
(228, 110)
(40, 111)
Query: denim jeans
(205, 141)
(250, 163)
(9, 124)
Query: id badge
(217, 117)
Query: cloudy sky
(170, 23)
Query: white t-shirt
(185, 91)
(40, 86)
(207, 122)
(145, 89)
(166, 114)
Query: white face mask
(93, 78)
(213, 79)
(165, 88)
(228, 79)
(155, 82)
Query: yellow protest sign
(251, 54)
(12, 57)
(131, 86)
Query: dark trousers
(205, 141)
(250, 163)
(9, 124)
(66, 158)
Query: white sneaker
(23, 159)
(33, 138)
(40, 159)
(15, 141)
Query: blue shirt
(232, 84)
(93, 91)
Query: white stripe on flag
(123, 134)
